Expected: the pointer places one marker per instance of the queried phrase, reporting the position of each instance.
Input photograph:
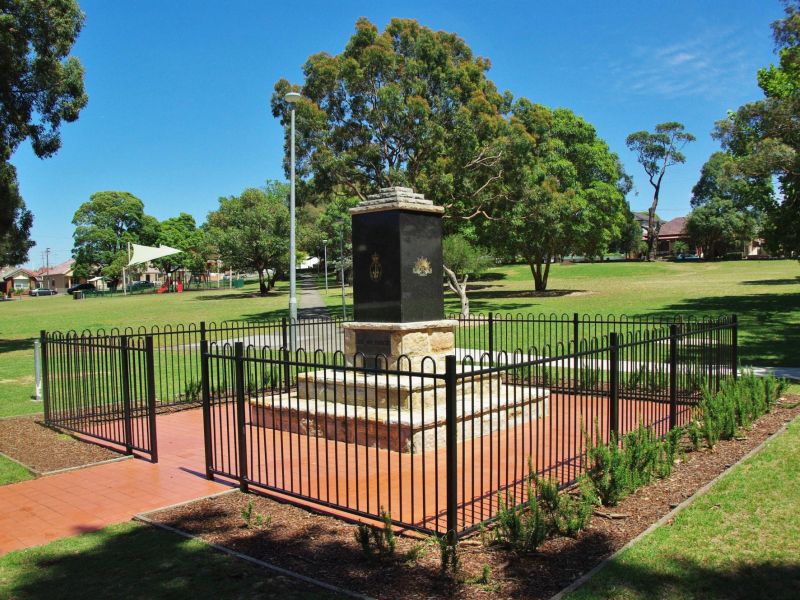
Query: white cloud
(710, 64)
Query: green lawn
(11, 472)
(133, 561)
(741, 540)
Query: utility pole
(47, 268)
(341, 251)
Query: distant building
(671, 232)
(58, 277)
(17, 280)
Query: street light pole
(291, 98)
(325, 250)
(341, 252)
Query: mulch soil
(44, 449)
(324, 547)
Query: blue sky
(179, 91)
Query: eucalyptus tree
(657, 151)
(405, 106)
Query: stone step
(397, 429)
(406, 391)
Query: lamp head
(292, 97)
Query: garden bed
(44, 449)
(325, 547)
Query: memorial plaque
(373, 343)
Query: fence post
(673, 376)
(450, 445)
(151, 397)
(241, 429)
(202, 331)
(45, 376)
(735, 346)
(126, 392)
(491, 339)
(285, 345)
(575, 346)
(206, 385)
(613, 382)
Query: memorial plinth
(399, 334)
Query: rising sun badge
(375, 269)
(422, 267)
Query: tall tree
(658, 151)
(41, 87)
(406, 106)
(251, 231)
(565, 189)
(764, 136)
(103, 227)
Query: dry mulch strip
(44, 449)
(325, 548)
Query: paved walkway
(312, 304)
(41, 510)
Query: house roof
(675, 228)
(16, 272)
(59, 269)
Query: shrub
(524, 527)
(377, 541)
(448, 555)
(564, 513)
(607, 470)
(191, 391)
(252, 519)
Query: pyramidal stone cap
(396, 198)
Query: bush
(737, 404)
(377, 541)
(619, 467)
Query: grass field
(741, 540)
(11, 472)
(765, 295)
(132, 561)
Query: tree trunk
(652, 227)
(262, 286)
(540, 268)
(459, 288)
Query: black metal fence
(102, 387)
(432, 443)
(435, 444)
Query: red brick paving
(41, 510)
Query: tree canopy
(251, 231)
(406, 106)
(181, 232)
(719, 226)
(413, 107)
(565, 189)
(41, 87)
(103, 227)
(764, 136)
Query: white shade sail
(143, 254)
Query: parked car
(43, 292)
(141, 285)
(81, 287)
(687, 257)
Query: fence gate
(102, 387)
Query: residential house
(17, 280)
(59, 277)
(671, 231)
